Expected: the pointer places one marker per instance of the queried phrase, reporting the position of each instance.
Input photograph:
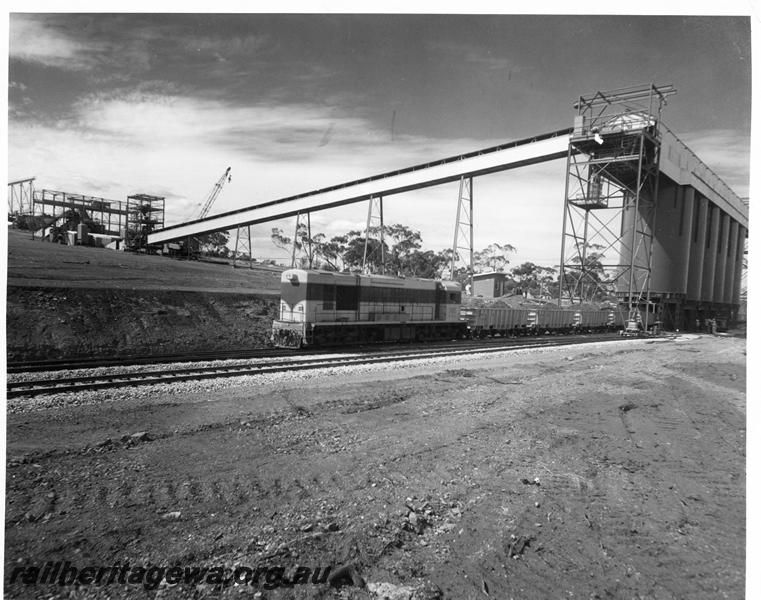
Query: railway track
(71, 364)
(68, 364)
(302, 363)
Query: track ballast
(173, 374)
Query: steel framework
(243, 246)
(308, 239)
(53, 206)
(21, 197)
(145, 213)
(374, 214)
(463, 230)
(611, 187)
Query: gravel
(148, 394)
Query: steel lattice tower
(610, 196)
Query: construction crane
(214, 193)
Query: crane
(214, 193)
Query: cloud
(106, 132)
(223, 49)
(726, 152)
(32, 39)
(473, 56)
(83, 43)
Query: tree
(427, 264)
(533, 278)
(492, 258)
(332, 252)
(214, 244)
(402, 253)
(303, 244)
(589, 281)
(406, 242)
(354, 254)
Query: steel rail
(96, 382)
(68, 364)
(72, 364)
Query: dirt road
(597, 472)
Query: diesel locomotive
(323, 308)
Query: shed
(489, 285)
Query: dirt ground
(598, 472)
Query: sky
(116, 104)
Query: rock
(306, 528)
(140, 436)
(172, 516)
(427, 591)
(518, 545)
(346, 575)
(389, 591)
(104, 443)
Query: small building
(489, 285)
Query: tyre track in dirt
(602, 502)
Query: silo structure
(729, 269)
(698, 234)
(686, 208)
(742, 232)
(721, 257)
(636, 231)
(709, 262)
(671, 249)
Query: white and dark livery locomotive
(320, 308)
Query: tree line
(402, 254)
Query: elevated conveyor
(678, 163)
(542, 148)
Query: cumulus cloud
(33, 39)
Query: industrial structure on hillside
(66, 217)
(643, 215)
